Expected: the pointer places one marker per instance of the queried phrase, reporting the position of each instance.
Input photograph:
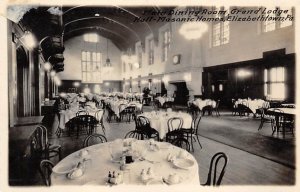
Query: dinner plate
(167, 181)
(154, 182)
(183, 163)
(64, 169)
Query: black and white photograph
(170, 96)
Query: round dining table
(159, 120)
(153, 163)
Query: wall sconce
(76, 84)
(57, 81)
(47, 66)
(52, 73)
(213, 88)
(243, 73)
(28, 39)
(221, 87)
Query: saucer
(167, 181)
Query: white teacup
(83, 153)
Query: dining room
(97, 97)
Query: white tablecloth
(159, 120)
(252, 104)
(162, 100)
(96, 171)
(66, 115)
(115, 105)
(203, 103)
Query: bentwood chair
(142, 124)
(137, 134)
(174, 129)
(214, 179)
(86, 122)
(46, 170)
(94, 139)
(192, 133)
(216, 108)
(81, 113)
(128, 112)
(99, 116)
(266, 118)
(40, 146)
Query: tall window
(151, 52)
(90, 37)
(124, 67)
(274, 83)
(220, 33)
(140, 56)
(279, 21)
(166, 44)
(91, 63)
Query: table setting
(159, 120)
(127, 162)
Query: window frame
(269, 82)
(277, 24)
(91, 66)
(224, 34)
(151, 51)
(166, 44)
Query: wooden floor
(243, 168)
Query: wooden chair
(94, 139)
(41, 147)
(87, 122)
(216, 108)
(99, 116)
(81, 113)
(142, 124)
(46, 170)
(213, 180)
(174, 128)
(266, 118)
(137, 134)
(110, 114)
(128, 112)
(192, 132)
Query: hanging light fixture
(107, 63)
(193, 30)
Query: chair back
(182, 143)
(94, 139)
(99, 115)
(195, 123)
(40, 139)
(217, 104)
(137, 134)
(175, 123)
(79, 113)
(142, 123)
(87, 120)
(46, 170)
(214, 165)
(130, 109)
